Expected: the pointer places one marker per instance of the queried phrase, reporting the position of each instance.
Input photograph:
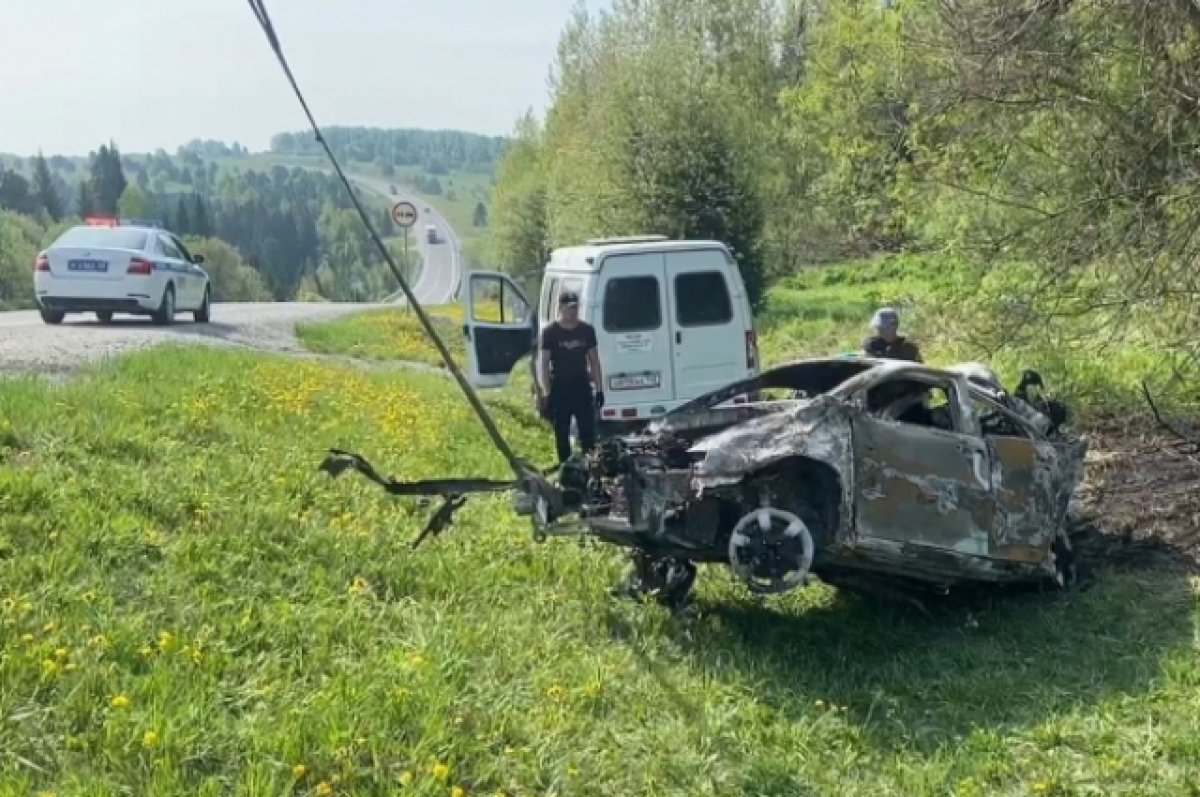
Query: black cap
(568, 297)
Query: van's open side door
(500, 327)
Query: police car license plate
(650, 379)
(87, 265)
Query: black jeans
(572, 400)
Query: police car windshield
(98, 237)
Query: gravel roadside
(30, 346)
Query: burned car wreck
(877, 475)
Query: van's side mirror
(197, 259)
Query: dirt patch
(1139, 503)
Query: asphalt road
(28, 345)
(442, 270)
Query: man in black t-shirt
(568, 367)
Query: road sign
(404, 214)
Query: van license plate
(635, 381)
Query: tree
(231, 279)
(480, 218)
(107, 180)
(133, 203)
(44, 189)
(14, 193)
(83, 200)
(183, 222)
(201, 225)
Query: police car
(109, 265)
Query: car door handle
(679, 337)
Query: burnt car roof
(837, 376)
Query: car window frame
(962, 419)
(165, 244)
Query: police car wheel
(165, 314)
(203, 314)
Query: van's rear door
(710, 334)
(499, 325)
(633, 328)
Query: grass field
(189, 608)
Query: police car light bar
(113, 221)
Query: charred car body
(885, 476)
(872, 474)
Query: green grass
(189, 608)
(389, 334)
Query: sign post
(405, 215)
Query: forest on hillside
(1051, 144)
(437, 151)
(277, 231)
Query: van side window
(632, 304)
(702, 299)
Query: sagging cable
(528, 477)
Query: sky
(159, 73)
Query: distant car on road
(108, 266)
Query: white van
(672, 318)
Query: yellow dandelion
(149, 739)
(556, 692)
(510, 751)
(48, 628)
(166, 641)
(120, 701)
(146, 651)
(100, 641)
(27, 639)
(49, 668)
(70, 667)
(439, 771)
(324, 789)
(1042, 787)
(406, 778)
(299, 771)
(458, 791)
(61, 653)
(416, 659)
(359, 586)
(89, 597)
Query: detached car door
(922, 475)
(499, 325)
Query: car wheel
(52, 316)
(165, 314)
(204, 313)
(104, 316)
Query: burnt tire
(165, 314)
